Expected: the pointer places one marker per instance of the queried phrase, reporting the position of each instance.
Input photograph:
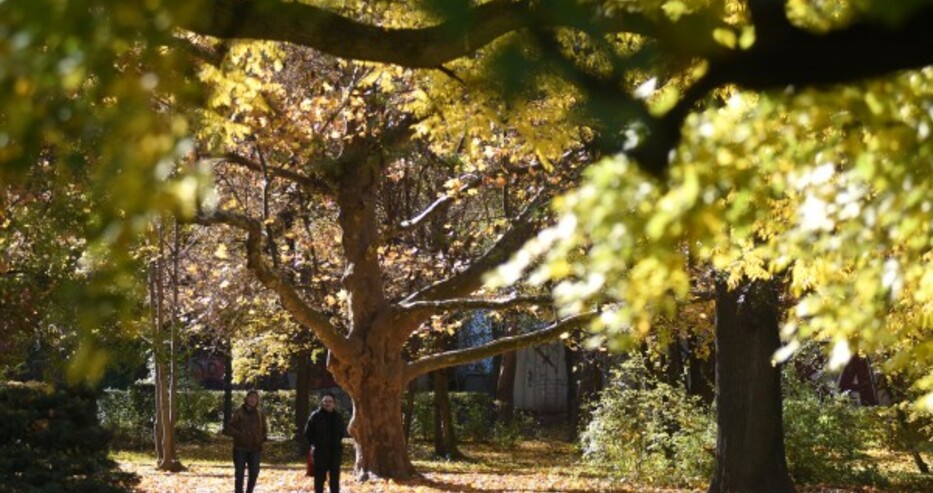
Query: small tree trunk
(505, 385)
(675, 363)
(302, 404)
(410, 409)
(750, 443)
(573, 403)
(164, 427)
(155, 305)
(589, 381)
(228, 387)
(701, 374)
(157, 425)
(445, 437)
(172, 462)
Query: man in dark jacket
(324, 432)
(248, 428)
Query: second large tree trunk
(750, 443)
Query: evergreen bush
(50, 441)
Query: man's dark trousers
(242, 459)
(320, 471)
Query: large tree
(369, 235)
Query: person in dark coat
(249, 431)
(325, 431)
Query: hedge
(130, 414)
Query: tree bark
(164, 429)
(445, 436)
(409, 408)
(376, 426)
(228, 385)
(675, 363)
(505, 385)
(573, 403)
(302, 404)
(750, 443)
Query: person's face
(327, 402)
(252, 400)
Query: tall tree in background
(163, 276)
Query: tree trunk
(445, 437)
(376, 426)
(573, 404)
(750, 443)
(675, 363)
(228, 386)
(701, 373)
(410, 408)
(375, 386)
(171, 462)
(159, 405)
(589, 381)
(505, 385)
(165, 378)
(302, 404)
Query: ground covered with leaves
(530, 466)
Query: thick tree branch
(474, 303)
(504, 345)
(289, 297)
(427, 47)
(784, 55)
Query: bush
(507, 433)
(279, 407)
(473, 413)
(50, 440)
(826, 438)
(648, 431)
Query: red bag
(310, 469)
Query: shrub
(648, 431)
(507, 433)
(473, 413)
(50, 440)
(826, 438)
(279, 407)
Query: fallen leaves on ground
(533, 466)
